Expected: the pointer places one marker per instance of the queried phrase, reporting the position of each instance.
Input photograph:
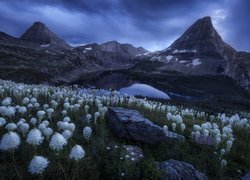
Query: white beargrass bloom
(223, 163)
(6, 101)
(165, 129)
(35, 137)
(24, 128)
(33, 100)
(57, 142)
(86, 108)
(66, 105)
(40, 114)
(45, 106)
(169, 116)
(9, 141)
(36, 105)
(77, 153)
(88, 117)
(205, 133)
(222, 152)
(50, 111)
(66, 119)
(103, 111)
(229, 144)
(71, 127)
(45, 122)
(25, 100)
(38, 164)
(183, 127)
(33, 121)
(2, 121)
(87, 131)
(54, 104)
(217, 141)
(22, 110)
(47, 132)
(96, 115)
(173, 126)
(41, 126)
(67, 134)
(10, 111)
(11, 126)
(30, 106)
(64, 112)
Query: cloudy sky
(153, 24)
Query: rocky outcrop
(239, 69)
(130, 124)
(177, 170)
(246, 177)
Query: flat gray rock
(179, 170)
(246, 177)
(130, 124)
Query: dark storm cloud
(238, 25)
(153, 24)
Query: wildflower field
(63, 133)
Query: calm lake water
(145, 90)
(121, 82)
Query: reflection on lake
(144, 90)
(124, 84)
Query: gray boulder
(130, 124)
(178, 170)
(246, 177)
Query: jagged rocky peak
(114, 46)
(40, 34)
(202, 37)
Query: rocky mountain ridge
(201, 51)
(40, 53)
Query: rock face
(38, 33)
(201, 51)
(177, 170)
(246, 177)
(239, 69)
(130, 124)
(40, 56)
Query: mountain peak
(40, 34)
(39, 25)
(202, 37)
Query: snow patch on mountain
(196, 62)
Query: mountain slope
(41, 56)
(200, 50)
(38, 33)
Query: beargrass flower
(11, 126)
(87, 131)
(2, 121)
(77, 153)
(35, 137)
(38, 164)
(57, 142)
(9, 141)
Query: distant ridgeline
(40, 56)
